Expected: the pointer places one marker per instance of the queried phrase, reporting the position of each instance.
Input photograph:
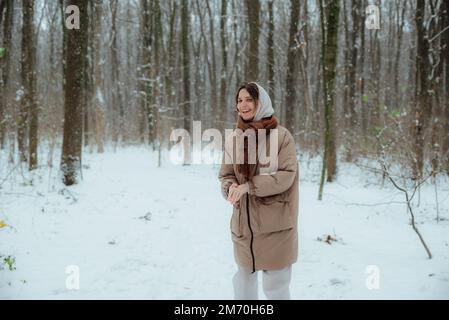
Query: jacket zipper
(252, 236)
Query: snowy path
(184, 250)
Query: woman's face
(246, 105)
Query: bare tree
(408, 198)
(252, 11)
(6, 9)
(213, 69)
(401, 7)
(423, 108)
(224, 64)
(157, 69)
(445, 81)
(356, 7)
(329, 48)
(292, 59)
(270, 51)
(73, 103)
(147, 29)
(98, 96)
(28, 117)
(191, 55)
(170, 56)
(185, 30)
(118, 127)
(375, 76)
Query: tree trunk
(186, 106)
(29, 111)
(329, 26)
(118, 128)
(75, 55)
(146, 81)
(445, 60)
(423, 107)
(210, 70)
(224, 67)
(353, 96)
(98, 101)
(389, 53)
(346, 131)
(400, 23)
(252, 10)
(376, 66)
(293, 51)
(306, 103)
(434, 78)
(171, 58)
(5, 63)
(88, 76)
(157, 69)
(213, 78)
(363, 101)
(270, 52)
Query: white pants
(276, 284)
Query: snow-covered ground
(136, 231)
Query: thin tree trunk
(353, 123)
(146, 81)
(270, 52)
(88, 75)
(158, 48)
(293, 51)
(252, 10)
(307, 100)
(117, 92)
(363, 102)
(224, 66)
(210, 68)
(400, 23)
(29, 111)
(5, 63)
(170, 57)
(213, 79)
(423, 109)
(186, 105)
(376, 67)
(329, 48)
(389, 53)
(445, 60)
(346, 131)
(98, 102)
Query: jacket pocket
(236, 226)
(274, 214)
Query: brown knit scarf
(266, 123)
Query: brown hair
(252, 89)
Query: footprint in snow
(336, 282)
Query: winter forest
(92, 206)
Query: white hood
(264, 109)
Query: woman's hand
(236, 192)
(232, 186)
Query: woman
(264, 220)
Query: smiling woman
(264, 220)
(247, 98)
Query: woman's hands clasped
(236, 192)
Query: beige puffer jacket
(264, 224)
